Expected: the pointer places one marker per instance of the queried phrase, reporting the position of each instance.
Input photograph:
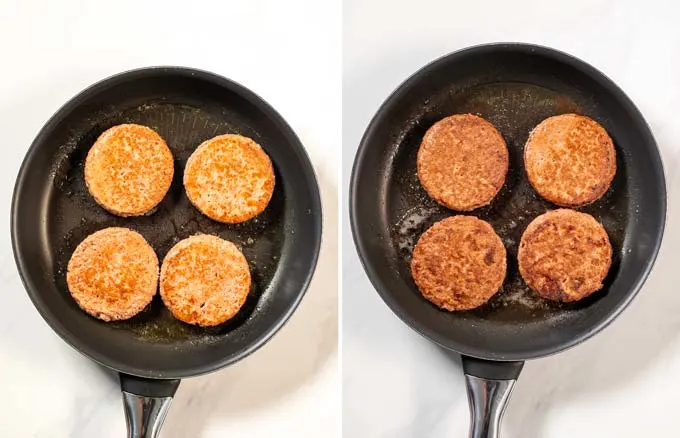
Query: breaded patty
(570, 160)
(564, 255)
(229, 178)
(204, 280)
(459, 263)
(462, 162)
(129, 170)
(113, 274)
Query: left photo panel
(171, 191)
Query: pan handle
(489, 385)
(146, 402)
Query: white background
(624, 382)
(288, 53)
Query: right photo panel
(509, 247)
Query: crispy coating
(113, 274)
(570, 160)
(462, 162)
(564, 255)
(204, 280)
(229, 178)
(459, 263)
(129, 170)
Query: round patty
(459, 263)
(564, 255)
(113, 274)
(462, 162)
(204, 280)
(570, 160)
(129, 170)
(229, 178)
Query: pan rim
(360, 240)
(309, 173)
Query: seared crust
(570, 160)
(229, 178)
(129, 170)
(462, 162)
(459, 263)
(204, 280)
(564, 255)
(113, 274)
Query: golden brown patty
(129, 169)
(564, 255)
(113, 274)
(229, 178)
(459, 263)
(570, 160)
(462, 162)
(204, 280)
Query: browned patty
(204, 280)
(564, 255)
(462, 162)
(570, 160)
(459, 263)
(113, 274)
(129, 170)
(229, 178)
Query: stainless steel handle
(146, 402)
(488, 399)
(144, 415)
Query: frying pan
(514, 86)
(52, 212)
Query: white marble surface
(289, 53)
(622, 383)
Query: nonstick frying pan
(52, 212)
(514, 86)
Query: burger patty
(564, 255)
(129, 170)
(205, 280)
(113, 274)
(462, 162)
(229, 178)
(570, 160)
(459, 263)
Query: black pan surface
(514, 86)
(52, 212)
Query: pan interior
(56, 212)
(514, 89)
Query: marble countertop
(51, 51)
(622, 383)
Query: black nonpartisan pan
(514, 86)
(52, 212)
